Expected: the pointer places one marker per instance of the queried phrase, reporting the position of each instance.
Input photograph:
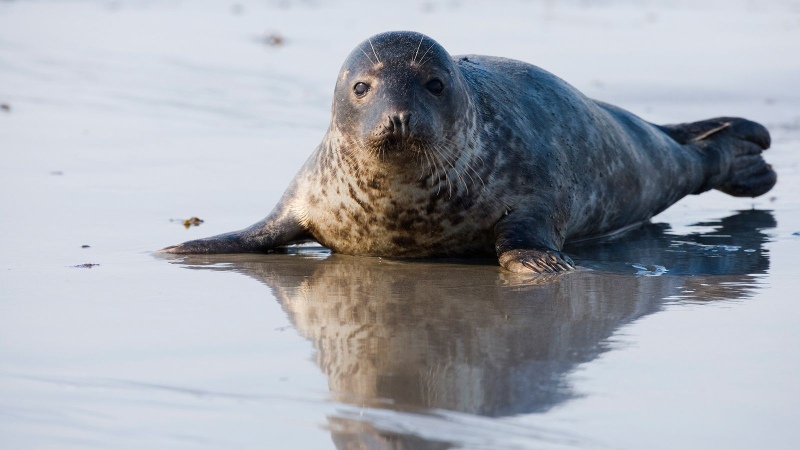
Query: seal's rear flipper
(688, 133)
(733, 147)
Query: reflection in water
(471, 338)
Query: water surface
(125, 118)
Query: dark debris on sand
(192, 221)
(274, 40)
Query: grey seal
(433, 155)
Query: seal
(430, 155)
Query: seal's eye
(360, 89)
(435, 86)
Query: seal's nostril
(405, 118)
(398, 124)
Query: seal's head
(399, 93)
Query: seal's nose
(399, 125)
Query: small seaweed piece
(196, 221)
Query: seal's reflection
(476, 339)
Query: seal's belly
(410, 232)
(378, 240)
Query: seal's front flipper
(536, 261)
(523, 246)
(280, 228)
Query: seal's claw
(536, 261)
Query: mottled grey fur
(507, 160)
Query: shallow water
(124, 115)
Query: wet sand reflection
(469, 337)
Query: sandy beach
(119, 120)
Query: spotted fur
(507, 160)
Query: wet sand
(123, 119)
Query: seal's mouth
(394, 147)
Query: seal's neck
(445, 166)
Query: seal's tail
(737, 145)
